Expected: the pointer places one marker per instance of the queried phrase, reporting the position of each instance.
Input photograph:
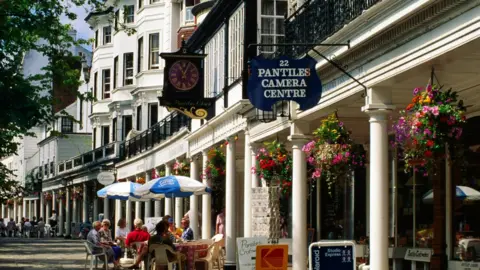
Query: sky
(83, 29)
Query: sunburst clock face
(183, 75)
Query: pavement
(46, 253)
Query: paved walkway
(48, 253)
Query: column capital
(299, 138)
(378, 101)
(205, 152)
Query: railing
(101, 154)
(156, 134)
(317, 20)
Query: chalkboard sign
(327, 255)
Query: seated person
(41, 227)
(34, 222)
(94, 238)
(12, 226)
(106, 238)
(165, 237)
(121, 233)
(187, 234)
(177, 232)
(138, 235)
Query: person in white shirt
(53, 219)
(121, 232)
(41, 227)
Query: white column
(15, 208)
(118, 211)
(42, 206)
(84, 204)
(148, 205)
(168, 201)
(253, 165)
(157, 212)
(3, 210)
(299, 201)
(367, 187)
(74, 209)
(35, 208)
(24, 208)
(60, 217)
(48, 212)
(138, 207)
(206, 203)
(54, 201)
(106, 210)
(95, 203)
(194, 200)
(68, 214)
(247, 188)
(128, 215)
(230, 195)
(178, 210)
(378, 111)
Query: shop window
(272, 29)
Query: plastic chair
(219, 241)
(137, 246)
(209, 260)
(94, 256)
(161, 257)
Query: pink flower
(311, 160)
(427, 132)
(435, 110)
(347, 154)
(426, 109)
(317, 173)
(307, 148)
(254, 170)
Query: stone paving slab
(47, 253)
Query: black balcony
(317, 20)
(156, 134)
(97, 156)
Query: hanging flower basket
(19, 201)
(274, 166)
(141, 180)
(181, 168)
(433, 119)
(332, 153)
(10, 202)
(215, 168)
(60, 195)
(47, 196)
(77, 193)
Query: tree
(27, 25)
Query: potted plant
(77, 193)
(332, 153)
(214, 174)
(47, 196)
(181, 168)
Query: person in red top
(138, 235)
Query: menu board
(338, 255)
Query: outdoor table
(188, 249)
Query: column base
(230, 266)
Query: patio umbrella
(462, 192)
(171, 186)
(122, 191)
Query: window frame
(151, 52)
(105, 135)
(125, 124)
(96, 39)
(66, 125)
(95, 83)
(115, 71)
(117, 17)
(140, 4)
(140, 56)
(127, 16)
(128, 80)
(114, 129)
(106, 93)
(139, 118)
(105, 36)
(150, 122)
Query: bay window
(128, 69)
(107, 35)
(154, 48)
(106, 83)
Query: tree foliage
(26, 102)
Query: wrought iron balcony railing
(317, 20)
(156, 134)
(96, 156)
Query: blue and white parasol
(121, 191)
(170, 187)
(461, 192)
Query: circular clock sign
(183, 75)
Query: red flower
(419, 124)
(428, 153)
(430, 143)
(409, 107)
(415, 142)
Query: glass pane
(267, 26)
(129, 72)
(280, 26)
(282, 7)
(267, 40)
(268, 7)
(155, 58)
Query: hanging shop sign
(338, 255)
(419, 254)
(271, 81)
(183, 85)
(105, 178)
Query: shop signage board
(183, 84)
(271, 257)
(419, 254)
(105, 178)
(327, 255)
(462, 265)
(151, 222)
(283, 78)
(247, 250)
